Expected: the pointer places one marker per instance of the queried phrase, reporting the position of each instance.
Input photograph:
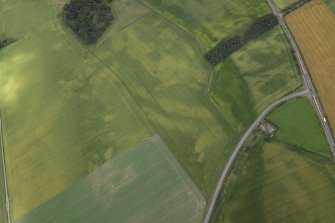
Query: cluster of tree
(227, 46)
(263, 24)
(88, 19)
(223, 49)
(295, 6)
(6, 42)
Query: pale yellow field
(313, 26)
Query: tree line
(227, 46)
(88, 19)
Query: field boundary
(104, 184)
(181, 27)
(107, 34)
(185, 178)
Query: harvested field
(313, 26)
(145, 184)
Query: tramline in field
(145, 184)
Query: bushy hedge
(6, 42)
(262, 25)
(88, 18)
(227, 46)
(295, 6)
(223, 50)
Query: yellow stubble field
(313, 27)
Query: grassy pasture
(283, 4)
(299, 126)
(313, 27)
(212, 20)
(63, 115)
(59, 4)
(166, 74)
(330, 4)
(271, 183)
(145, 184)
(252, 77)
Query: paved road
(240, 144)
(310, 91)
(306, 76)
(4, 173)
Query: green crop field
(67, 109)
(126, 12)
(271, 183)
(165, 73)
(282, 4)
(145, 184)
(212, 20)
(260, 72)
(63, 113)
(299, 126)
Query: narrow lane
(307, 78)
(309, 91)
(239, 147)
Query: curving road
(240, 144)
(309, 91)
(306, 76)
